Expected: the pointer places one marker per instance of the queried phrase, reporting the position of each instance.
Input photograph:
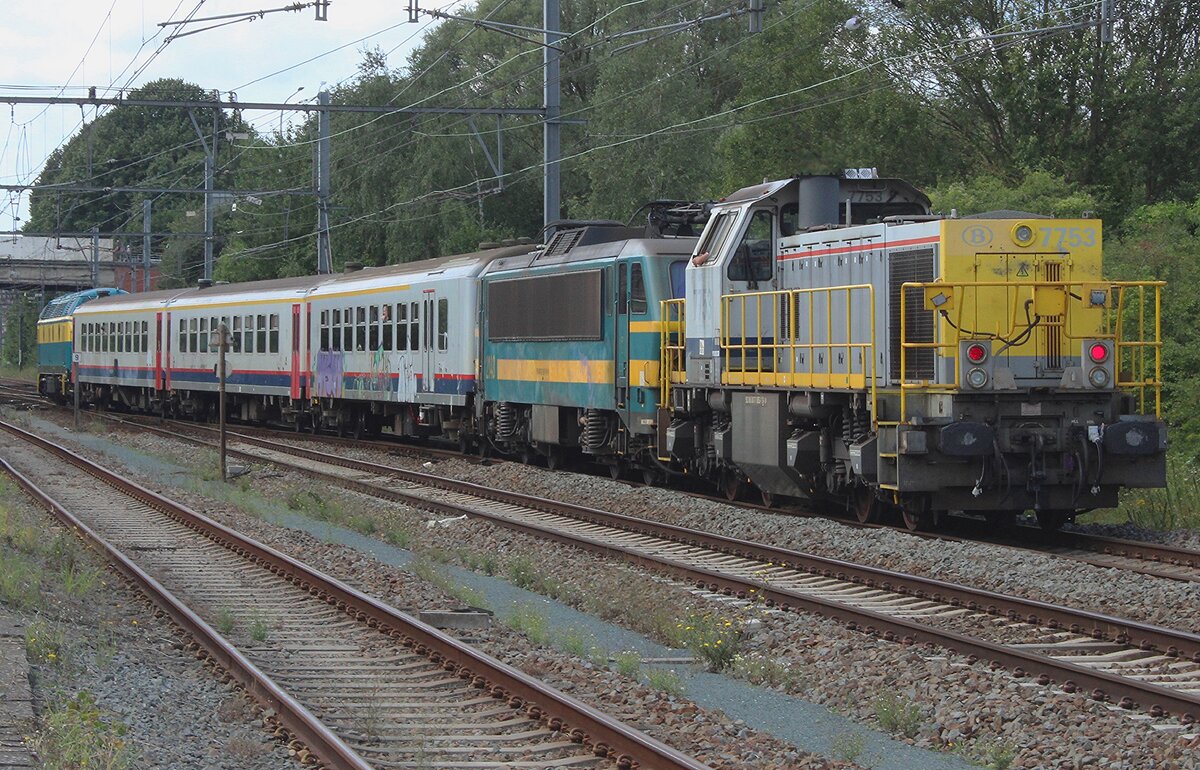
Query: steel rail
(607, 737)
(1128, 693)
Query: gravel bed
(955, 704)
(105, 642)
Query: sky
(61, 47)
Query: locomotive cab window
(754, 258)
(713, 243)
(637, 290)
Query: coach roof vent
(352, 267)
(204, 283)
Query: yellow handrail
(786, 354)
(1110, 325)
(672, 346)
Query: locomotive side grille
(1051, 331)
(919, 324)
(565, 306)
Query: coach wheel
(1053, 519)
(554, 458)
(527, 455)
(314, 424)
(865, 505)
(732, 485)
(360, 425)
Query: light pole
(285, 101)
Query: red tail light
(1098, 352)
(976, 353)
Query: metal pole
(223, 344)
(146, 245)
(552, 146)
(95, 257)
(210, 170)
(75, 386)
(324, 253)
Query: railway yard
(633, 626)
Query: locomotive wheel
(1001, 521)
(769, 499)
(916, 520)
(650, 477)
(732, 485)
(866, 506)
(554, 458)
(616, 469)
(1053, 519)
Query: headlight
(1098, 377)
(1023, 235)
(977, 378)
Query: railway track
(355, 682)
(1134, 665)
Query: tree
(20, 332)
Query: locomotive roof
(625, 247)
(306, 285)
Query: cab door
(750, 319)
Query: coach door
(295, 351)
(429, 359)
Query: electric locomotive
(55, 341)
(837, 341)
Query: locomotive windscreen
(565, 306)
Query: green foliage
(77, 734)
(20, 332)
(259, 630)
(628, 663)
(44, 643)
(847, 747)
(1038, 192)
(530, 621)
(713, 638)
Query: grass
(44, 643)
(666, 680)
(423, 566)
(77, 734)
(224, 621)
(530, 621)
(628, 664)
(847, 747)
(760, 669)
(898, 716)
(259, 630)
(1175, 507)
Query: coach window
(260, 330)
(235, 343)
(324, 325)
(122, 336)
(414, 326)
(248, 331)
(678, 272)
(637, 290)
(182, 346)
(361, 337)
(202, 339)
(385, 317)
(443, 324)
(373, 328)
(754, 257)
(401, 326)
(274, 332)
(347, 329)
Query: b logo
(977, 235)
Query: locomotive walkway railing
(1116, 311)
(801, 338)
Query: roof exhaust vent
(204, 283)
